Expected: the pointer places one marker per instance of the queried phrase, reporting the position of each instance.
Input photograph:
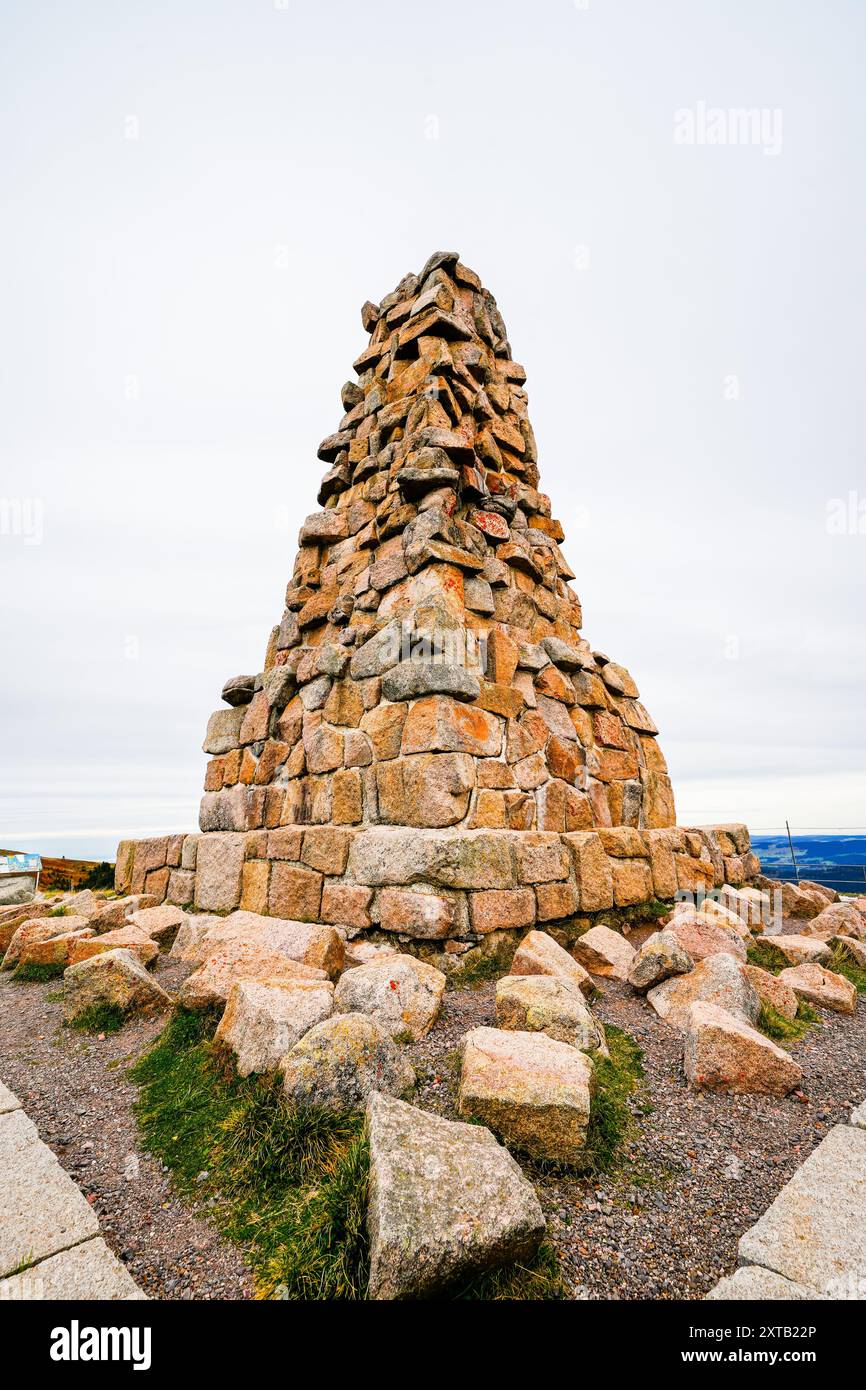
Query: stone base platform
(433, 884)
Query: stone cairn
(433, 757)
(432, 749)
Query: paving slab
(752, 1282)
(86, 1272)
(815, 1231)
(8, 1101)
(41, 1209)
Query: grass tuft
(32, 972)
(99, 1018)
(768, 957)
(290, 1185)
(843, 963)
(540, 1280)
(785, 1030)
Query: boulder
(40, 929)
(403, 994)
(121, 939)
(751, 905)
(55, 950)
(800, 902)
(341, 1061)
(539, 954)
(660, 956)
(116, 912)
(814, 1233)
(116, 978)
(701, 937)
(722, 1053)
(263, 1019)
(716, 913)
(604, 952)
(548, 1004)
(819, 986)
(306, 942)
(161, 924)
(12, 916)
(752, 1283)
(837, 919)
(772, 990)
(719, 980)
(363, 952)
(83, 904)
(529, 1088)
(797, 949)
(828, 894)
(208, 987)
(446, 1203)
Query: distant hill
(73, 873)
(837, 860)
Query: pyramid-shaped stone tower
(432, 747)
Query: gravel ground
(75, 1089)
(699, 1170)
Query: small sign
(20, 864)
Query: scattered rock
(539, 954)
(660, 956)
(263, 1019)
(548, 1004)
(161, 924)
(122, 939)
(115, 978)
(447, 1202)
(341, 1061)
(529, 1088)
(772, 990)
(797, 948)
(752, 1283)
(700, 937)
(39, 929)
(722, 1053)
(839, 919)
(819, 986)
(208, 987)
(403, 994)
(605, 952)
(719, 980)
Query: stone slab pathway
(50, 1246)
(811, 1242)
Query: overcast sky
(196, 199)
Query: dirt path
(701, 1169)
(75, 1089)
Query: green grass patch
(785, 1030)
(611, 1120)
(768, 957)
(99, 1018)
(844, 963)
(58, 912)
(32, 972)
(291, 1186)
(538, 1280)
